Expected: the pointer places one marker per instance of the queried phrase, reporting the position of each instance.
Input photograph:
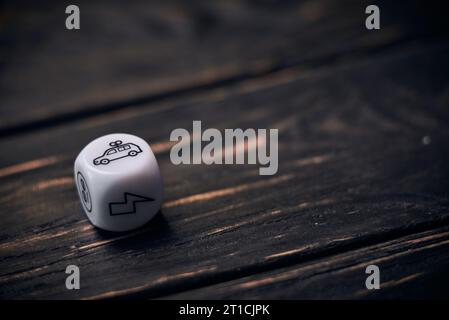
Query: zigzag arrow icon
(128, 206)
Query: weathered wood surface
(422, 259)
(356, 183)
(130, 54)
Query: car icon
(119, 150)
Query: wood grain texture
(354, 171)
(135, 53)
(411, 267)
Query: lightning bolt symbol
(128, 206)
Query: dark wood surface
(363, 149)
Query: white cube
(118, 182)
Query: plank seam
(253, 73)
(204, 280)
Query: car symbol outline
(118, 151)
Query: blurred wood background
(363, 148)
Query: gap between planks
(255, 71)
(204, 277)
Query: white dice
(118, 182)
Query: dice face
(119, 182)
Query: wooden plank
(129, 55)
(353, 166)
(411, 267)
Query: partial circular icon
(83, 191)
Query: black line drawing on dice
(83, 191)
(128, 206)
(119, 150)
